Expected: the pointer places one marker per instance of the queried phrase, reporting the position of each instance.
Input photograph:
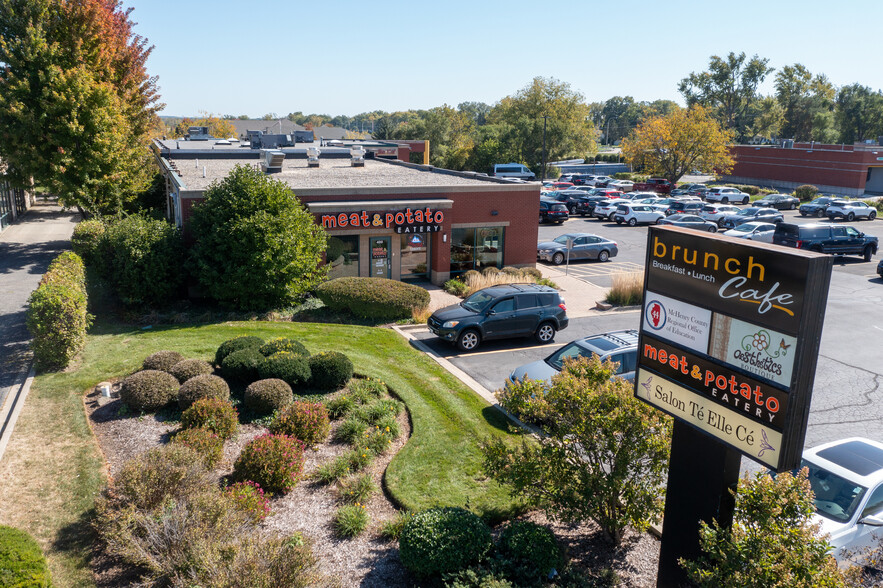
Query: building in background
(14, 202)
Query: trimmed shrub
(265, 396)
(806, 192)
(283, 344)
(207, 444)
(190, 368)
(169, 471)
(470, 275)
(357, 489)
(351, 520)
(339, 406)
(57, 318)
(149, 390)
(531, 550)
(163, 361)
(457, 287)
(21, 561)
(490, 271)
(142, 259)
(199, 387)
(330, 370)
(293, 369)
(532, 272)
(242, 365)
(307, 421)
(273, 461)
(373, 298)
(443, 540)
(213, 414)
(236, 344)
(249, 497)
(86, 239)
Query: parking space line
(479, 353)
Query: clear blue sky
(346, 57)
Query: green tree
(256, 246)
(859, 113)
(772, 542)
(449, 132)
(76, 104)
(768, 120)
(605, 456)
(728, 88)
(477, 111)
(685, 140)
(808, 101)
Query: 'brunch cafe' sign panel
(729, 339)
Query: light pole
(543, 179)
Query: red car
(561, 185)
(608, 193)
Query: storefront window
(414, 249)
(343, 256)
(476, 249)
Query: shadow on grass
(498, 420)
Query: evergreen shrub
(149, 390)
(373, 298)
(161, 360)
(330, 370)
(213, 414)
(199, 387)
(443, 540)
(267, 395)
(274, 461)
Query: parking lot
(848, 391)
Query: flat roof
(339, 174)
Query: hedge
(86, 239)
(21, 561)
(57, 317)
(373, 298)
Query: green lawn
(52, 469)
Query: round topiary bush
(275, 462)
(190, 368)
(236, 344)
(265, 396)
(293, 369)
(242, 365)
(161, 360)
(330, 370)
(21, 560)
(532, 549)
(442, 540)
(213, 414)
(149, 390)
(806, 192)
(279, 344)
(86, 238)
(307, 421)
(207, 444)
(199, 387)
(373, 298)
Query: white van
(513, 170)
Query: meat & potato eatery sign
(418, 220)
(729, 339)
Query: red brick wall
(828, 167)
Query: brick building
(850, 170)
(389, 219)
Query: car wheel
(712, 229)
(618, 220)
(633, 222)
(659, 220)
(610, 217)
(745, 200)
(720, 222)
(545, 333)
(582, 214)
(604, 255)
(725, 200)
(872, 216)
(820, 213)
(468, 340)
(558, 258)
(850, 217)
(541, 219)
(867, 253)
(792, 207)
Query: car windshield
(572, 350)
(835, 498)
(748, 212)
(743, 229)
(562, 239)
(477, 301)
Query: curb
(12, 409)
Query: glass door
(380, 265)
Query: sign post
(729, 339)
(569, 247)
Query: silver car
(584, 246)
(753, 231)
(620, 347)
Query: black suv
(501, 312)
(684, 207)
(833, 239)
(552, 211)
(586, 205)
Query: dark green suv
(500, 312)
(825, 238)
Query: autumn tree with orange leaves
(676, 144)
(76, 103)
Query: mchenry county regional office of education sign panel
(729, 338)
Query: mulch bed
(368, 560)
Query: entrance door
(380, 257)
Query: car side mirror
(491, 312)
(872, 520)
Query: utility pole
(544, 148)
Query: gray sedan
(690, 221)
(585, 246)
(778, 201)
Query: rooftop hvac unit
(271, 161)
(313, 156)
(358, 154)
